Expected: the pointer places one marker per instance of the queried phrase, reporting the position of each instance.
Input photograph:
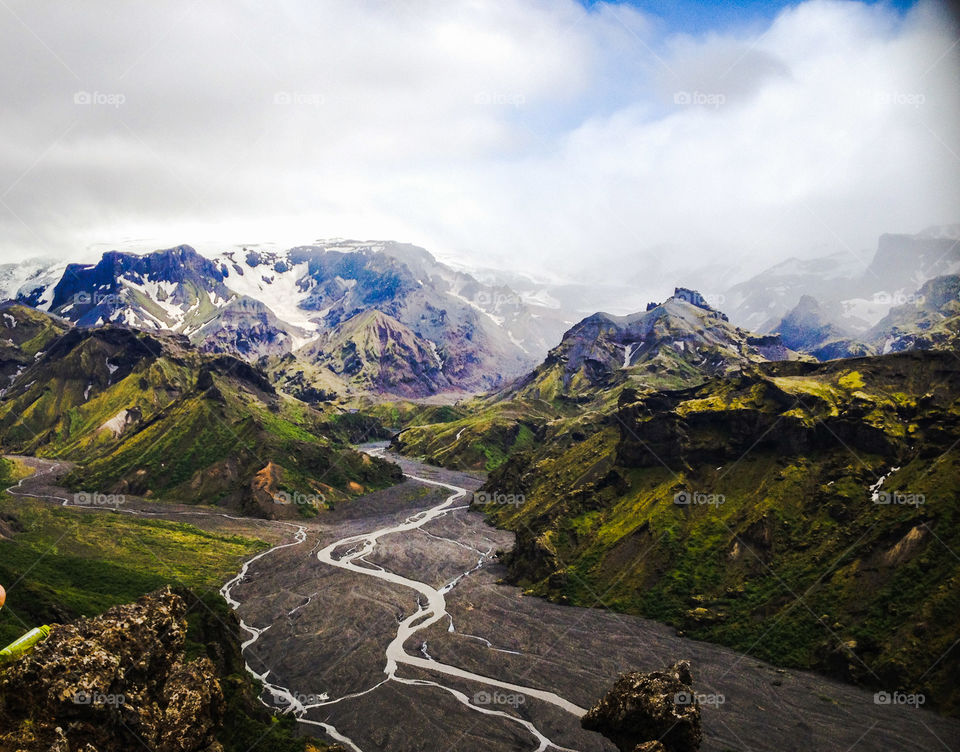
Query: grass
(65, 563)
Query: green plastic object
(24, 644)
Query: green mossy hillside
(783, 552)
(147, 414)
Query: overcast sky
(543, 135)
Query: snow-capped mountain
(479, 335)
(259, 304)
(31, 281)
(853, 294)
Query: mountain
(682, 337)
(148, 414)
(762, 301)
(478, 335)
(929, 321)
(800, 511)
(24, 334)
(259, 304)
(672, 465)
(30, 281)
(174, 290)
(808, 328)
(378, 354)
(679, 342)
(856, 292)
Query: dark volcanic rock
(650, 712)
(112, 683)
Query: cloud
(537, 135)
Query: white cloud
(534, 134)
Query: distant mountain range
(444, 330)
(346, 318)
(854, 293)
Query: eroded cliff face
(114, 682)
(886, 407)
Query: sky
(585, 141)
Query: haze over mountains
(351, 317)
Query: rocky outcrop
(650, 712)
(111, 683)
(791, 409)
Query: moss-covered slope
(781, 544)
(148, 414)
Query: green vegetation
(69, 563)
(796, 565)
(59, 564)
(149, 415)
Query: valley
(662, 486)
(480, 376)
(479, 666)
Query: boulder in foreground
(650, 712)
(112, 683)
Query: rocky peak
(113, 683)
(808, 326)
